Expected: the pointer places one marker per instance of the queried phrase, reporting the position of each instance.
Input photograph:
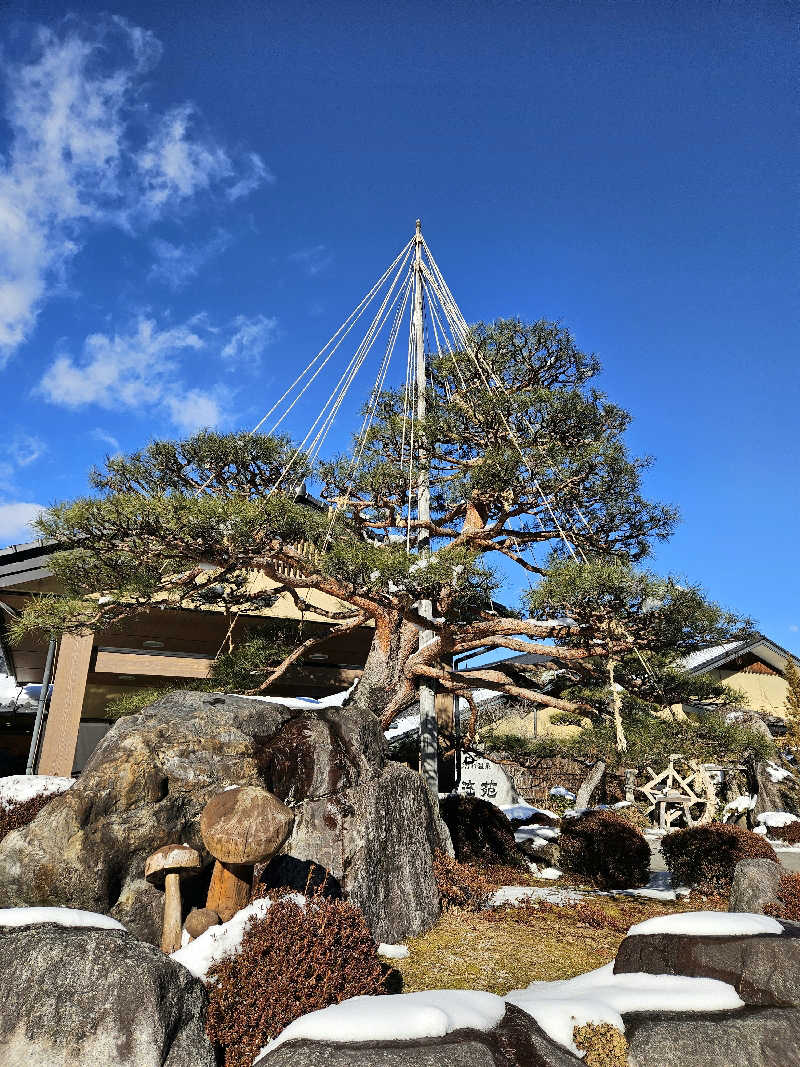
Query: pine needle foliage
(524, 455)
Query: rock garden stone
(165, 868)
(755, 885)
(75, 997)
(762, 968)
(151, 776)
(517, 1042)
(199, 920)
(241, 827)
(761, 1037)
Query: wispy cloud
(794, 629)
(178, 264)
(105, 438)
(15, 520)
(26, 448)
(86, 149)
(313, 260)
(251, 336)
(144, 370)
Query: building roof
(25, 563)
(716, 657)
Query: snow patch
(602, 997)
(218, 942)
(520, 894)
(59, 916)
(776, 773)
(402, 1017)
(393, 952)
(17, 788)
(777, 818)
(560, 791)
(525, 811)
(709, 924)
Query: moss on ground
(508, 948)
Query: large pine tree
(530, 477)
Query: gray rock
(517, 1042)
(755, 885)
(762, 969)
(765, 1037)
(151, 775)
(775, 796)
(74, 997)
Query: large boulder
(762, 968)
(755, 886)
(766, 1037)
(777, 789)
(518, 1040)
(77, 996)
(150, 777)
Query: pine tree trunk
(383, 684)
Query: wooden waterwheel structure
(682, 794)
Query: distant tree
(528, 469)
(792, 704)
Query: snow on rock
(739, 805)
(393, 952)
(402, 1017)
(59, 916)
(13, 695)
(777, 818)
(709, 924)
(601, 996)
(549, 873)
(560, 791)
(335, 700)
(536, 833)
(776, 773)
(218, 942)
(525, 811)
(17, 788)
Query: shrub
(604, 1045)
(706, 856)
(604, 848)
(480, 832)
(459, 886)
(294, 960)
(788, 903)
(789, 833)
(15, 816)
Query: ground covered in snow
(17, 788)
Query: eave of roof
(25, 563)
(758, 644)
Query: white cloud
(313, 260)
(143, 371)
(26, 449)
(84, 150)
(251, 336)
(106, 438)
(15, 519)
(178, 264)
(794, 629)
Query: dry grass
(508, 948)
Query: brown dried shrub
(605, 849)
(15, 816)
(788, 904)
(294, 960)
(705, 857)
(789, 833)
(604, 1045)
(459, 885)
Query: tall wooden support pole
(428, 726)
(66, 704)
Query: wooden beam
(66, 703)
(161, 664)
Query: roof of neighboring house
(718, 656)
(25, 563)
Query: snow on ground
(15, 696)
(550, 873)
(59, 916)
(536, 833)
(601, 996)
(658, 888)
(519, 894)
(17, 788)
(709, 924)
(404, 1016)
(776, 818)
(393, 952)
(200, 955)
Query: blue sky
(191, 201)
